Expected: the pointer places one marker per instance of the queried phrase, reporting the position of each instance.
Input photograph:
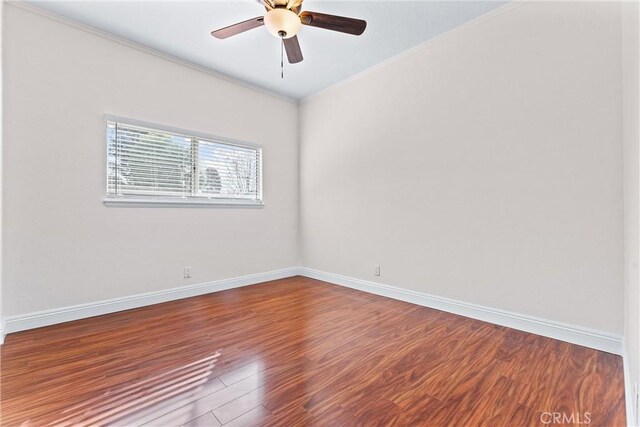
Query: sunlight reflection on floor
(138, 400)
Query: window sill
(168, 203)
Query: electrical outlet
(376, 270)
(187, 272)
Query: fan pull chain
(282, 58)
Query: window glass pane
(227, 173)
(147, 162)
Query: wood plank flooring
(300, 352)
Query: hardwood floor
(300, 352)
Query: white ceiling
(182, 29)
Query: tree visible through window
(212, 183)
(144, 162)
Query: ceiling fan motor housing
(284, 19)
(282, 22)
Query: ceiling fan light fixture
(282, 23)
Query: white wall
(510, 129)
(485, 166)
(1, 165)
(630, 133)
(62, 246)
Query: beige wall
(485, 167)
(62, 245)
(630, 73)
(1, 164)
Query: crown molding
(22, 5)
(420, 47)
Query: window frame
(112, 200)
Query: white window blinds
(143, 162)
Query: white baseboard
(629, 391)
(570, 333)
(586, 337)
(66, 314)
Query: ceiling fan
(284, 19)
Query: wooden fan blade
(238, 28)
(294, 54)
(333, 22)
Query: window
(158, 165)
